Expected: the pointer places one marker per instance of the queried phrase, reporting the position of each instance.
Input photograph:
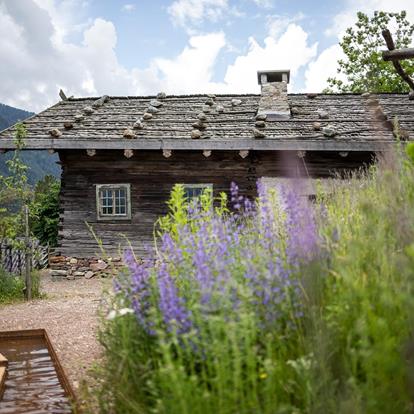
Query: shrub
(12, 287)
(276, 307)
(44, 210)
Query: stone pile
(72, 267)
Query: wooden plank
(337, 144)
(152, 177)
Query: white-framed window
(113, 201)
(192, 191)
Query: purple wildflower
(175, 315)
(139, 289)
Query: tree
(363, 66)
(44, 210)
(15, 192)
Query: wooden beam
(386, 34)
(62, 95)
(384, 141)
(398, 54)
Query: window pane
(120, 201)
(193, 192)
(113, 201)
(107, 201)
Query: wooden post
(398, 54)
(386, 34)
(27, 256)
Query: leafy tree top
(363, 66)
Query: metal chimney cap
(268, 76)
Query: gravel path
(69, 314)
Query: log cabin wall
(152, 176)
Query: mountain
(40, 163)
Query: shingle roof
(360, 122)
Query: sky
(142, 47)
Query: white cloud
(128, 7)
(36, 62)
(267, 4)
(277, 24)
(322, 68)
(191, 12)
(347, 17)
(276, 53)
(192, 70)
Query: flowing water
(32, 384)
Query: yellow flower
(263, 375)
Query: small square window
(192, 191)
(113, 201)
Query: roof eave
(290, 144)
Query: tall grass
(278, 307)
(12, 287)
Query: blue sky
(95, 47)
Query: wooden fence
(12, 259)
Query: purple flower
(300, 226)
(139, 290)
(175, 315)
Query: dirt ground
(69, 313)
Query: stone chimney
(274, 101)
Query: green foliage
(351, 351)
(179, 206)
(363, 66)
(12, 287)
(410, 151)
(14, 191)
(44, 210)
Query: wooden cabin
(121, 156)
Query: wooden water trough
(31, 376)
(3, 374)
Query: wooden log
(398, 54)
(386, 34)
(62, 95)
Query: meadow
(276, 305)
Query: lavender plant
(273, 305)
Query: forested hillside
(40, 163)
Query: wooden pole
(27, 256)
(386, 34)
(398, 54)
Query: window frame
(203, 186)
(99, 207)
